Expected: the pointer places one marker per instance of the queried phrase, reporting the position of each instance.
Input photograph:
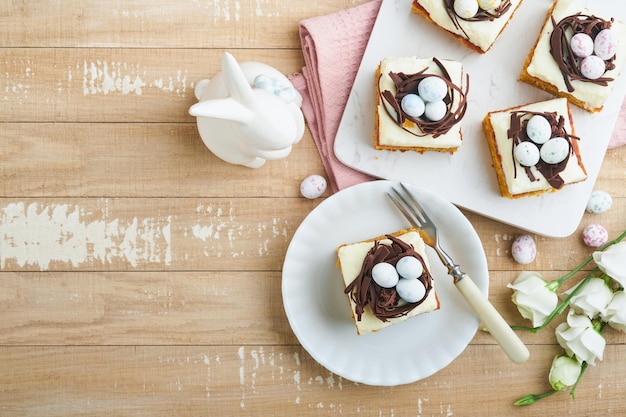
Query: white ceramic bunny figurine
(248, 113)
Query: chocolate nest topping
(384, 302)
(481, 16)
(562, 51)
(517, 133)
(407, 84)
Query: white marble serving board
(467, 178)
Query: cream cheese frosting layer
(351, 260)
(543, 66)
(482, 33)
(389, 132)
(520, 183)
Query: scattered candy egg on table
(313, 186)
(592, 67)
(538, 129)
(432, 89)
(555, 150)
(524, 249)
(385, 275)
(409, 267)
(489, 4)
(466, 8)
(413, 105)
(527, 154)
(605, 44)
(582, 45)
(411, 290)
(435, 110)
(595, 235)
(599, 202)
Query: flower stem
(532, 398)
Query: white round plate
(318, 310)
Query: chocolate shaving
(407, 84)
(561, 50)
(385, 302)
(517, 133)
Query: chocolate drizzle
(561, 50)
(481, 16)
(517, 133)
(384, 302)
(407, 84)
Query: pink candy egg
(605, 44)
(592, 67)
(582, 45)
(524, 249)
(595, 235)
(313, 186)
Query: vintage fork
(497, 326)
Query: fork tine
(417, 208)
(404, 208)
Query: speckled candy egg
(489, 4)
(435, 111)
(413, 105)
(599, 202)
(524, 249)
(605, 44)
(432, 89)
(385, 275)
(313, 186)
(592, 67)
(595, 235)
(582, 45)
(555, 150)
(411, 290)
(538, 129)
(466, 8)
(409, 267)
(527, 154)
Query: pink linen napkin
(333, 46)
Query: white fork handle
(499, 329)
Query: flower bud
(615, 313)
(564, 372)
(612, 262)
(535, 299)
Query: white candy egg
(466, 8)
(489, 4)
(385, 275)
(313, 186)
(555, 150)
(594, 235)
(605, 44)
(592, 67)
(435, 111)
(599, 202)
(409, 267)
(524, 249)
(527, 154)
(432, 89)
(538, 129)
(582, 45)
(413, 105)
(411, 290)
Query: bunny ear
(225, 108)
(236, 83)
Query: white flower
(592, 298)
(612, 262)
(579, 338)
(533, 297)
(564, 372)
(615, 313)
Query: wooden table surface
(141, 276)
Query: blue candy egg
(538, 129)
(435, 110)
(409, 267)
(432, 89)
(411, 290)
(385, 275)
(413, 105)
